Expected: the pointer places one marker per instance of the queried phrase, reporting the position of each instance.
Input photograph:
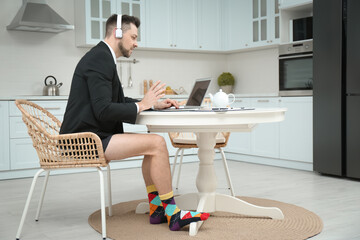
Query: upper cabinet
(237, 24)
(192, 25)
(134, 8)
(209, 32)
(91, 16)
(159, 24)
(265, 22)
(183, 25)
(171, 24)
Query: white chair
(183, 141)
(59, 151)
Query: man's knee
(159, 141)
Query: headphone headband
(118, 32)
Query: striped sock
(177, 218)
(157, 212)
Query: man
(97, 104)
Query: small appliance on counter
(50, 88)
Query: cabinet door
(91, 16)
(209, 22)
(158, 24)
(184, 24)
(240, 142)
(237, 24)
(4, 136)
(265, 22)
(296, 138)
(134, 8)
(265, 136)
(23, 154)
(90, 20)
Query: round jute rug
(298, 223)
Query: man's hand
(152, 96)
(166, 104)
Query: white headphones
(118, 31)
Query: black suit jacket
(96, 102)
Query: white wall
(256, 72)
(26, 58)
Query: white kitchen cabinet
(296, 138)
(22, 153)
(159, 24)
(265, 22)
(171, 24)
(237, 24)
(286, 4)
(91, 16)
(240, 142)
(134, 8)
(209, 33)
(265, 136)
(4, 136)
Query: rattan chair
(59, 151)
(183, 141)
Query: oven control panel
(295, 48)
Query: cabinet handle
(52, 108)
(175, 45)
(263, 101)
(200, 46)
(171, 45)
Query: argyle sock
(157, 212)
(177, 218)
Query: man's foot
(177, 218)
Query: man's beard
(124, 52)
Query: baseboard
(270, 161)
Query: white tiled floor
(71, 198)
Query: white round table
(206, 125)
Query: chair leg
(102, 200)
(180, 163)
(227, 172)
(174, 164)
(26, 208)
(109, 196)
(42, 195)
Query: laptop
(196, 96)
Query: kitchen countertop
(65, 97)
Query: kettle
(221, 99)
(51, 89)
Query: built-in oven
(296, 69)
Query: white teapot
(221, 99)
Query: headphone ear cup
(118, 33)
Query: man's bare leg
(155, 167)
(157, 177)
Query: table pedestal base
(212, 202)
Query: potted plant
(226, 82)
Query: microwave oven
(301, 29)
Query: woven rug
(298, 223)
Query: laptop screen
(198, 92)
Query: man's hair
(125, 23)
